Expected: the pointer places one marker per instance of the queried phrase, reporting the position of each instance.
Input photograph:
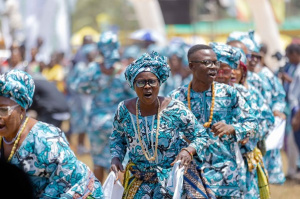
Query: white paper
(276, 136)
(111, 189)
(175, 180)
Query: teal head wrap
(246, 38)
(227, 54)
(18, 86)
(153, 63)
(109, 47)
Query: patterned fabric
(109, 47)
(173, 82)
(52, 166)
(219, 165)
(254, 80)
(273, 164)
(79, 103)
(227, 54)
(179, 49)
(276, 95)
(195, 184)
(246, 38)
(104, 104)
(266, 121)
(18, 86)
(174, 120)
(153, 63)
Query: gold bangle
(191, 154)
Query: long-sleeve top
(52, 167)
(107, 91)
(219, 165)
(175, 120)
(275, 94)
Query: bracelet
(191, 154)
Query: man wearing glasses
(225, 115)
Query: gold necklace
(16, 142)
(206, 124)
(157, 132)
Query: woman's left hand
(185, 158)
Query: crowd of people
(209, 108)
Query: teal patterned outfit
(219, 165)
(175, 119)
(44, 154)
(107, 92)
(78, 102)
(275, 97)
(53, 168)
(265, 120)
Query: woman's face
(224, 74)
(9, 124)
(236, 75)
(146, 86)
(175, 63)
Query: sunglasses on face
(208, 63)
(7, 110)
(143, 82)
(224, 72)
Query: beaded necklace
(16, 142)
(206, 124)
(147, 154)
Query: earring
(21, 117)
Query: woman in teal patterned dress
(107, 84)
(40, 149)
(148, 128)
(274, 94)
(234, 58)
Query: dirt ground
(290, 190)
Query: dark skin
(12, 123)
(223, 75)
(295, 122)
(148, 107)
(203, 78)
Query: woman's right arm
(117, 140)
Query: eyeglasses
(208, 63)
(253, 57)
(7, 110)
(143, 82)
(224, 72)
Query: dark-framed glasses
(253, 57)
(208, 63)
(143, 82)
(7, 110)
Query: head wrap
(227, 54)
(153, 63)
(246, 38)
(109, 47)
(180, 50)
(18, 86)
